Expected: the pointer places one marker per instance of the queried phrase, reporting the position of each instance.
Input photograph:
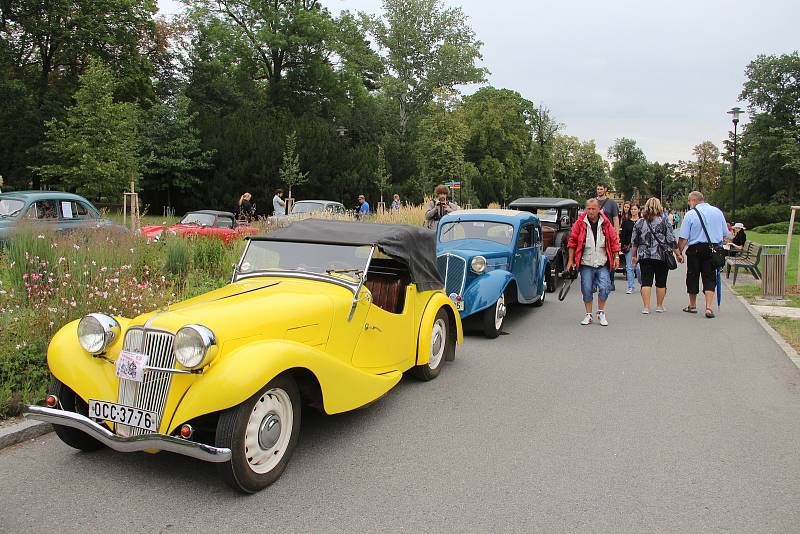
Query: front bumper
(102, 434)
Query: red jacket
(577, 239)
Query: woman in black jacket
(626, 234)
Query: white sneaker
(645, 311)
(660, 309)
(587, 319)
(601, 316)
(629, 291)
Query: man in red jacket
(594, 248)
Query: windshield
(10, 207)
(202, 219)
(489, 231)
(547, 214)
(307, 207)
(340, 260)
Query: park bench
(747, 259)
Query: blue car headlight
(478, 264)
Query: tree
(94, 150)
(171, 155)
(577, 167)
(441, 136)
(707, 165)
(539, 170)
(290, 168)
(629, 166)
(499, 139)
(426, 48)
(382, 176)
(770, 142)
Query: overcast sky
(661, 73)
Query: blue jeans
(629, 270)
(595, 278)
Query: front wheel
(494, 317)
(262, 433)
(442, 348)
(71, 402)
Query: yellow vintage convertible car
(322, 313)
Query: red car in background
(216, 224)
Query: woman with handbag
(654, 248)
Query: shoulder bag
(715, 249)
(667, 255)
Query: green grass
(775, 239)
(788, 328)
(753, 291)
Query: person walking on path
(703, 225)
(439, 206)
(396, 202)
(631, 270)
(653, 239)
(608, 206)
(278, 204)
(594, 247)
(363, 209)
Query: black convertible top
(543, 202)
(414, 246)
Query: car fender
(437, 301)
(236, 376)
(485, 290)
(86, 375)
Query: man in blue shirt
(363, 211)
(698, 253)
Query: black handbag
(716, 251)
(667, 255)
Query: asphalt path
(659, 423)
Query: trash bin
(773, 280)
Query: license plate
(130, 365)
(460, 305)
(124, 415)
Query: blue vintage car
(490, 259)
(49, 210)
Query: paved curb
(788, 349)
(23, 431)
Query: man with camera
(439, 207)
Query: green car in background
(49, 210)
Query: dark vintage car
(557, 216)
(49, 210)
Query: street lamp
(734, 112)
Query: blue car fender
(484, 291)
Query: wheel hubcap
(499, 312)
(438, 343)
(268, 431)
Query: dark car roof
(41, 195)
(412, 245)
(212, 212)
(544, 202)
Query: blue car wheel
(494, 317)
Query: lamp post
(734, 112)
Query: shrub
(760, 215)
(776, 228)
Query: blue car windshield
(489, 231)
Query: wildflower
(40, 236)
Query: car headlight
(96, 332)
(195, 346)
(478, 264)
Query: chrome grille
(151, 393)
(453, 270)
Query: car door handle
(368, 326)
